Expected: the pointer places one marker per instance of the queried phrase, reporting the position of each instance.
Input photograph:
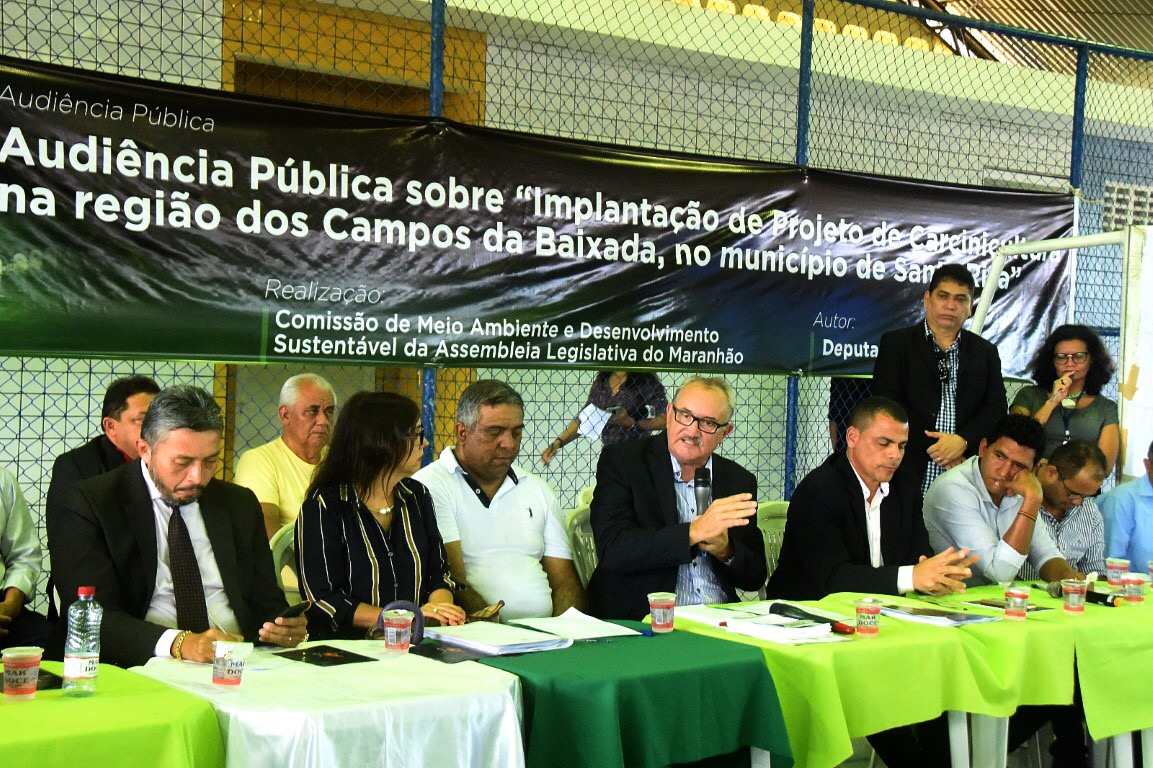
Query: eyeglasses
(1076, 357)
(686, 419)
(943, 367)
(1076, 498)
(418, 433)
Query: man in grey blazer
(650, 535)
(112, 532)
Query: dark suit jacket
(906, 371)
(95, 457)
(103, 534)
(826, 545)
(640, 543)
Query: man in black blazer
(125, 402)
(111, 532)
(855, 527)
(948, 379)
(829, 537)
(649, 535)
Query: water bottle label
(80, 667)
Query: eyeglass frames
(686, 419)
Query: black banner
(139, 220)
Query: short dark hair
(865, 411)
(180, 407)
(1101, 367)
(954, 273)
(484, 393)
(1075, 455)
(373, 434)
(1023, 430)
(1150, 454)
(118, 392)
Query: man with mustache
(948, 379)
(279, 472)
(852, 527)
(132, 532)
(650, 535)
(502, 527)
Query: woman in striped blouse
(367, 534)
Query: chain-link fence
(865, 86)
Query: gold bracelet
(178, 646)
(1027, 516)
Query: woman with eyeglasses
(367, 534)
(1070, 369)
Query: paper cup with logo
(228, 660)
(21, 670)
(1115, 568)
(397, 630)
(1016, 603)
(661, 605)
(868, 617)
(1134, 586)
(1074, 591)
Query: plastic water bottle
(82, 646)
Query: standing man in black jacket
(948, 379)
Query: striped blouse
(345, 557)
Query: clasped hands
(943, 573)
(710, 531)
(948, 451)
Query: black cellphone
(293, 611)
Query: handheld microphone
(703, 488)
(797, 612)
(1053, 588)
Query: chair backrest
(771, 516)
(586, 495)
(754, 11)
(283, 546)
(886, 37)
(855, 31)
(584, 551)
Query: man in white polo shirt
(502, 526)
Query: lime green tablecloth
(832, 693)
(1114, 661)
(646, 701)
(130, 720)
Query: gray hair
(180, 407)
(290, 391)
(484, 393)
(715, 383)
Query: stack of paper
(576, 625)
(940, 616)
(781, 629)
(496, 639)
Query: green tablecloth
(130, 720)
(832, 693)
(646, 701)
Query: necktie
(191, 611)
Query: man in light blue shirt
(20, 556)
(1128, 512)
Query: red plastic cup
(661, 605)
(868, 617)
(21, 670)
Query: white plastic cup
(228, 659)
(397, 630)
(1016, 603)
(21, 671)
(1074, 591)
(868, 617)
(1115, 568)
(1134, 586)
(661, 605)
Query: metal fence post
(792, 407)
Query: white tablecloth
(402, 710)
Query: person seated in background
(125, 402)
(1070, 479)
(367, 535)
(502, 526)
(853, 528)
(20, 558)
(650, 534)
(970, 505)
(1070, 369)
(631, 403)
(279, 472)
(178, 558)
(1128, 513)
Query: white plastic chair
(283, 546)
(771, 516)
(584, 551)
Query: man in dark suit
(125, 402)
(650, 536)
(948, 379)
(114, 532)
(855, 527)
